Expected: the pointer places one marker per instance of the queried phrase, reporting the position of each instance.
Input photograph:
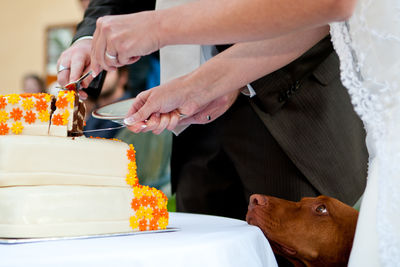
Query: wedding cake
(56, 182)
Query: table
(201, 241)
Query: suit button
(295, 86)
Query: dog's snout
(257, 199)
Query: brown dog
(312, 232)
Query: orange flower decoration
(62, 102)
(135, 204)
(30, 117)
(57, 119)
(41, 104)
(16, 114)
(25, 95)
(153, 201)
(164, 213)
(3, 102)
(4, 129)
(144, 200)
(143, 225)
(153, 224)
(131, 154)
(39, 95)
(156, 214)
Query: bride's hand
(206, 114)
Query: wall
(23, 25)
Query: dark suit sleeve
(273, 90)
(99, 8)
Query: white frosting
(45, 211)
(51, 160)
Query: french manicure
(129, 121)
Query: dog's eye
(321, 209)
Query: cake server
(76, 85)
(94, 88)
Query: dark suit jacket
(298, 137)
(100, 8)
(309, 113)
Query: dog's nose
(257, 199)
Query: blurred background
(27, 28)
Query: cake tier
(51, 160)
(50, 211)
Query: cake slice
(68, 115)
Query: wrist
(160, 28)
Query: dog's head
(314, 231)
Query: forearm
(232, 21)
(246, 62)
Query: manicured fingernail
(94, 74)
(129, 121)
(144, 126)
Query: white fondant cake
(49, 211)
(49, 160)
(67, 186)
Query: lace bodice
(368, 45)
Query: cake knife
(76, 85)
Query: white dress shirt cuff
(248, 90)
(84, 38)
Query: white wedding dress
(368, 45)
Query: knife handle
(94, 88)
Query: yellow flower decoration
(163, 222)
(134, 222)
(132, 166)
(148, 213)
(71, 98)
(17, 127)
(140, 212)
(13, 99)
(131, 179)
(47, 97)
(27, 104)
(65, 117)
(161, 203)
(44, 116)
(4, 116)
(148, 192)
(138, 192)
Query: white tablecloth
(202, 241)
